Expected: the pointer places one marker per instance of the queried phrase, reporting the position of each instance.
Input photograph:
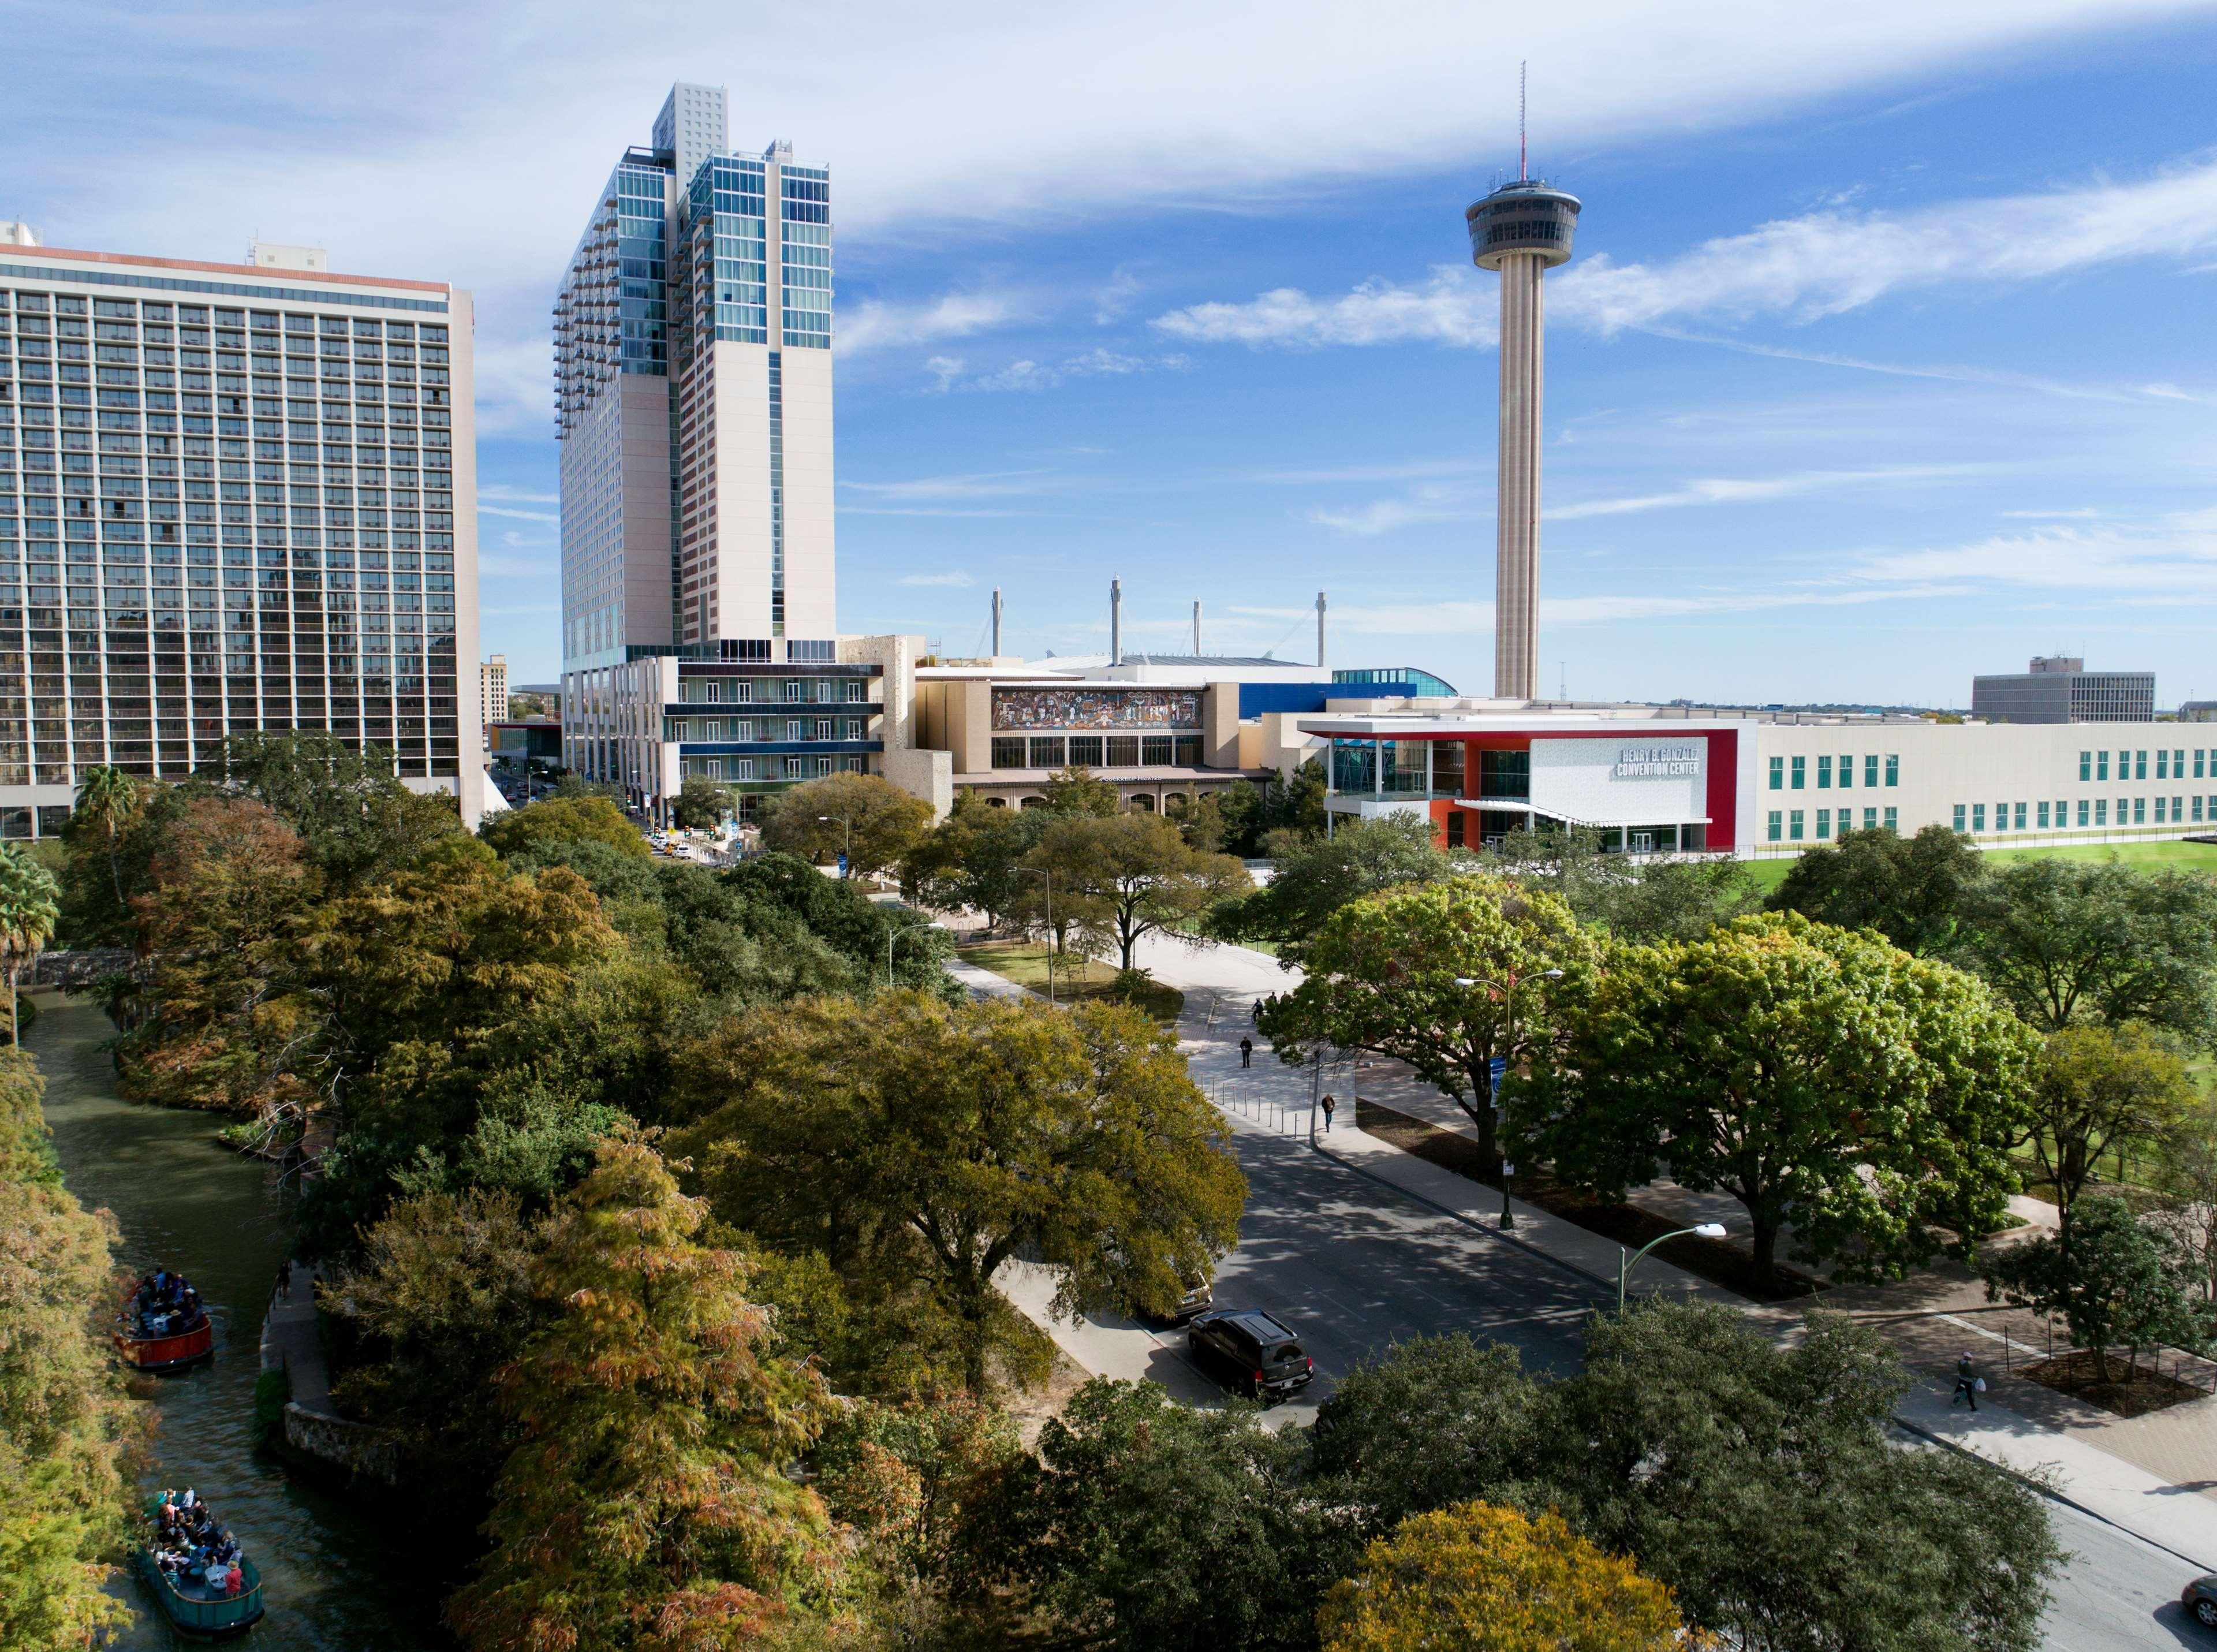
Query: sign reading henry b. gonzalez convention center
(1682, 760)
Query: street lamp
(1493, 1096)
(901, 933)
(1627, 1261)
(1048, 874)
(847, 854)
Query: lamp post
(846, 853)
(900, 934)
(1508, 1045)
(1626, 1261)
(1047, 873)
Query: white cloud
(484, 510)
(509, 495)
(1029, 375)
(982, 484)
(962, 581)
(1720, 490)
(873, 325)
(1821, 263)
(1437, 503)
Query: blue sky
(1886, 357)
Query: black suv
(1259, 1354)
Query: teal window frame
(1824, 825)
(1893, 768)
(2102, 764)
(2043, 814)
(1870, 820)
(1776, 827)
(2019, 817)
(2162, 764)
(2139, 811)
(1962, 813)
(1892, 819)
(1870, 771)
(2086, 813)
(1824, 774)
(2086, 765)
(1794, 826)
(1977, 817)
(1847, 774)
(1778, 774)
(1800, 772)
(2139, 768)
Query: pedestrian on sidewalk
(1329, 1105)
(1968, 1382)
(1246, 1052)
(1258, 1011)
(285, 1280)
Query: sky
(1885, 358)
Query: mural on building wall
(1096, 709)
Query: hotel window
(1893, 770)
(1961, 811)
(823, 730)
(2086, 765)
(1008, 753)
(1893, 819)
(2101, 763)
(1801, 773)
(2082, 813)
(1778, 774)
(1847, 772)
(1824, 777)
(2162, 765)
(1870, 771)
(796, 730)
(853, 690)
(1777, 822)
(2139, 812)
(1978, 817)
(1046, 751)
(2020, 817)
(1870, 820)
(2139, 768)
(1823, 822)
(1793, 825)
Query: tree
(1762, 1482)
(1294, 805)
(648, 1505)
(355, 816)
(1136, 875)
(585, 818)
(2065, 941)
(2185, 1181)
(864, 817)
(1674, 900)
(108, 798)
(933, 1142)
(1384, 975)
(1224, 822)
(2119, 1281)
(1916, 891)
(28, 912)
(1822, 1077)
(1156, 1527)
(68, 1433)
(700, 805)
(1076, 792)
(1489, 1578)
(974, 857)
(1316, 877)
(2094, 1090)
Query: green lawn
(1025, 963)
(2196, 856)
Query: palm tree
(28, 912)
(108, 797)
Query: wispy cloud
(1720, 490)
(1437, 503)
(1819, 265)
(1029, 375)
(979, 485)
(484, 510)
(875, 325)
(960, 581)
(509, 495)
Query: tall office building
(231, 498)
(692, 374)
(2058, 689)
(492, 689)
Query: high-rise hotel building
(693, 375)
(232, 496)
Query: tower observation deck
(1522, 230)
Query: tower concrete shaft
(1517, 553)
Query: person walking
(1968, 1382)
(1258, 1013)
(1329, 1107)
(1246, 1052)
(285, 1280)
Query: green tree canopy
(648, 1504)
(355, 816)
(107, 798)
(2067, 941)
(935, 1142)
(1384, 975)
(2120, 1283)
(868, 818)
(1293, 806)
(700, 805)
(1128, 876)
(975, 857)
(585, 818)
(1077, 791)
(1485, 1579)
(1822, 1078)
(1916, 891)
(29, 910)
(2096, 1090)
(1633, 901)
(1316, 877)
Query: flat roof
(277, 277)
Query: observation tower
(1522, 230)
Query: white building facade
(231, 498)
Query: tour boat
(172, 1350)
(198, 1610)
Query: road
(2118, 1594)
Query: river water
(335, 1573)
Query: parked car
(1201, 1296)
(2199, 1598)
(1252, 1351)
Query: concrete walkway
(290, 1343)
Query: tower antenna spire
(1523, 170)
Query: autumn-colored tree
(2097, 1091)
(1129, 876)
(931, 1142)
(1482, 1578)
(1388, 974)
(864, 817)
(648, 1506)
(587, 817)
(67, 1432)
(1822, 1078)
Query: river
(336, 1574)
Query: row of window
(744, 690)
(1792, 773)
(2134, 765)
(1097, 751)
(774, 768)
(1791, 826)
(739, 730)
(2091, 812)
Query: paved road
(2119, 1594)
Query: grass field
(2195, 857)
(1075, 979)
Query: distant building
(2198, 711)
(492, 680)
(276, 254)
(2060, 690)
(14, 233)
